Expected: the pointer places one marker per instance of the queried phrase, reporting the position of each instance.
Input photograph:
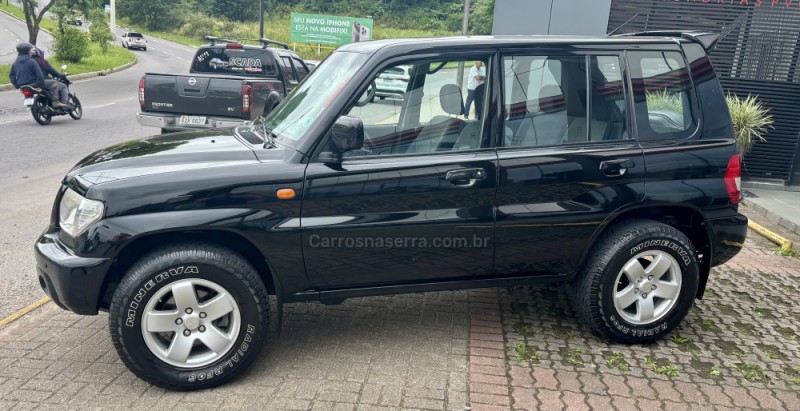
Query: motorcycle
(41, 106)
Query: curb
(784, 243)
(21, 313)
(792, 227)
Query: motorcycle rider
(59, 94)
(25, 71)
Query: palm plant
(750, 120)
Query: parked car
(312, 64)
(229, 83)
(131, 40)
(622, 182)
(393, 82)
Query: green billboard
(331, 30)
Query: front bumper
(170, 122)
(72, 282)
(728, 236)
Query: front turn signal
(286, 193)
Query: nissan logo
(192, 81)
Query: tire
(612, 300)
(40, 112)
(77, 112)
(217, 280)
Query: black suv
(607, 162)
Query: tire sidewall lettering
(685, 258)
(667, 244)
(219, 370)
(132, 311)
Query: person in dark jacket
(57, 90)
(25, 71)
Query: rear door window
(300, 68)
(243, 62)
(286, 63)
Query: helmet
(36, 52)
(24, 48)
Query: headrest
(450, 99)
(551, 98)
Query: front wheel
(189, 317)
(40, 112)
(76, 112)
(639, 282)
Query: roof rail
(266, 42)
(706, 39)
(215, 40)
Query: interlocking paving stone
(397, 352)
(739, 347)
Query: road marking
(17, 315)
(111, 103)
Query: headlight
(76, 213)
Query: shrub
(72, 45)
(99, 31)
(750, 120)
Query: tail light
(234, 46)
(27, 93)
(247, 98)
(733, 179)
(141, 93)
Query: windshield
(290, 121)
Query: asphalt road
(13, 32)
(34, 158)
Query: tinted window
(286, 62)
(421, 112)
(544, 100)
(663, 95)
(300, 68)
(135, 35)
(233, 61)
(716, 119)
(607, 106)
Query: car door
(288, 73)
(566, 158)
(416, 204)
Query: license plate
(192, 120)
(28, 102)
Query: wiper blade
(266, 132)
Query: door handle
(466, 177)
(616, 168)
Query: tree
(66, 8)
(32, 20)
(154, 14)
(99, 31)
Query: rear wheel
(76, 112)
(639, 283)
(189, 317)
(40, 112)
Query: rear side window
(301, 69)
(286, 62)
(242, 62)
(716, 119)
(663, 95)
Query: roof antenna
(611, 33)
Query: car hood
(177, 152)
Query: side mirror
(347, 134)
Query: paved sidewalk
(739, 347)
(382, 353)
(782, 207)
